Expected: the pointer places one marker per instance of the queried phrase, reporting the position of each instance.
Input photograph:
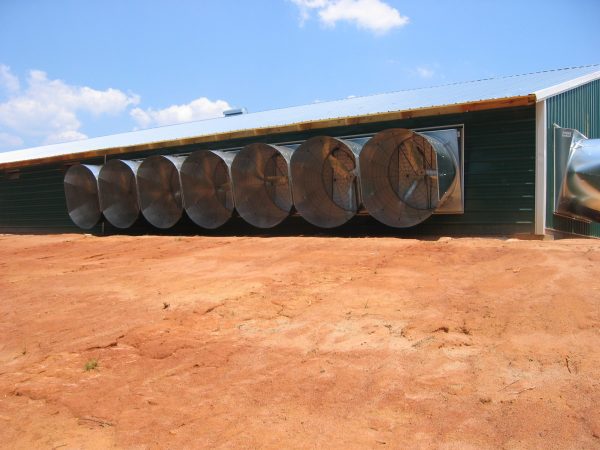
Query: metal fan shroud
(81, 195)
(581, 187)
(118, 192)
(261, 183)
(405, 176)
(159, 189)
(207, 189)
(325, 185)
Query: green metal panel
(499, 177)
(578, 108)
(33, 199)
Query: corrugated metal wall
(499, 178)
(578, 108)
(33, 199)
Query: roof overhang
(507, 102)
(557, 89)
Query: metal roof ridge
(436, 86)
(484, 79)
(559, 88)
(456, 83)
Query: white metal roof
(541, 84)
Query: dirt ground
(298, 342)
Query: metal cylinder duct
(159, 190)
(81, 194)
(207, 190)
(580, 191)
(325, 185)
(405, 175)
(118, 192)
(261, 184)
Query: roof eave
(481, 105)
(557, 89)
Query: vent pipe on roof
(406, 175)
(325, 183)
(234, 112)
(118, 192)
(81, 194)
(261, 183)
(207, 190)
(159, 188)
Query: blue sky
(76, 69)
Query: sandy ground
(298, 342)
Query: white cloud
(199, 109)
(306, 5)
(8, 81)
(425, 72)
(65, 136)
(373, 15)
(47, 110)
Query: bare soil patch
(298, 342)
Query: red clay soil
(298, 342)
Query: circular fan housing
(405, 176)
(81, 194)
(325, 186)
(207, 191)
(261, 183)
(580, 194)
(159, 190)
(118, 192)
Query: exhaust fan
(577, 175)
(206, 183)
(118, 192)
(324, 180)
(81, 194)
(159, 189)
(261, 182)
(406, 175)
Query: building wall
(499, 177)
(578, 108)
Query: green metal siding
(499, 177)
(578, 108)
(33, 199)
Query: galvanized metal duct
(81, 194)
(325, 184)
(580, 191)
(118, 192)
(261, 184)
(207, 190)
(405, 175)
(159, 189)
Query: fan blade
(223, 186)
(220, 178)
(339, 168)
(410, 190)
(276, 180)
(409, 156)
(207, 171)
(260, 165)
(278, 167)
